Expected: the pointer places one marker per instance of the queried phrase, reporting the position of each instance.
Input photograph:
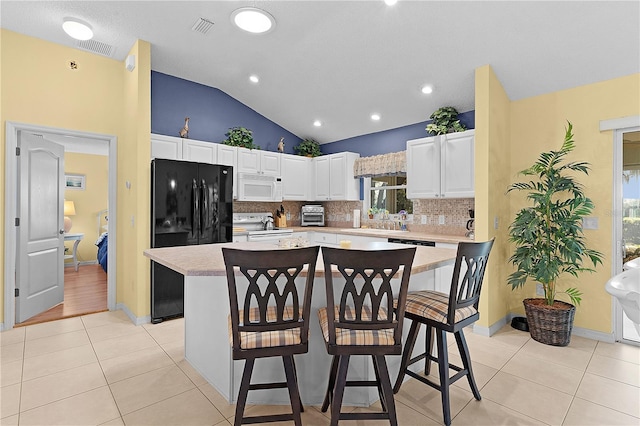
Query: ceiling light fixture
(390, 2)
(77, 29)
(427, 89)
(254, 78)
(375, 117)
(253, 20)
(317, 123)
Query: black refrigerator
(191, 203)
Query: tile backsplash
(340, 213)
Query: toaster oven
(312, 215)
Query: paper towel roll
(356, 218)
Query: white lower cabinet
(325, 238)
(444, 274)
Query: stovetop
(253, 224)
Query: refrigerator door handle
(194, 207)
(204, 206)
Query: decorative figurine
(281, 145)
(184, 132)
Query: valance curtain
(380, 165)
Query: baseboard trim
(134, 319)
(576, 331)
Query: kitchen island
(206, 307)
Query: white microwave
(256, 187)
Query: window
(387, 192)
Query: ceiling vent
(202, 26)
(95, 47)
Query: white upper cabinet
(296, 177)
(441, 166)
(259, 162)
(334, 178)
(199, 151)
(169, 147)
(228, 156)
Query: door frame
(10, 210)
(618, 126)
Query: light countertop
(206, 259)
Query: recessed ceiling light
(317, 123)
(253, 20)
(375, 117)
(254, 78)
(390, 2)
(77, 29)
(427, 89)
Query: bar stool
(361, 320)
(273, 320)
(443, 313)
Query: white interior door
(40, 240)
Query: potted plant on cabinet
(549, 240)
(445, 120)
(308, 148)
(239, 136)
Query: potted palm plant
(549, 241)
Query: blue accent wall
(392, 140)
(211, 113)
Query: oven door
(312, 219)
(269, 237)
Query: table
(206, 308)
(76, 238)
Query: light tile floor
(100, 369)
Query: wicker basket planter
(550, 325)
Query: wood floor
(85, 291)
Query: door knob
(62, 231)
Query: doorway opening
(74, 141)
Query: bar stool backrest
(271, 302)
(468, 274)
(365, 301)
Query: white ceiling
(340, 61)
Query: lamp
(77, 29)
(69, 210)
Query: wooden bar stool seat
(361, 321)
(442, 314)
(270, 318)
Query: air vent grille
(202, 26)
(96, 47)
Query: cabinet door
(248, 160)
(322, 178)
(228, 156)
(295, 177)
(338, 177)
(168, 147)
(270, 163)
(201, 152)
(457, 161)
(423, 168)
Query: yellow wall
(88, 202)
(492, 155)
(100, 97)
(538, 124)
(134, 166)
